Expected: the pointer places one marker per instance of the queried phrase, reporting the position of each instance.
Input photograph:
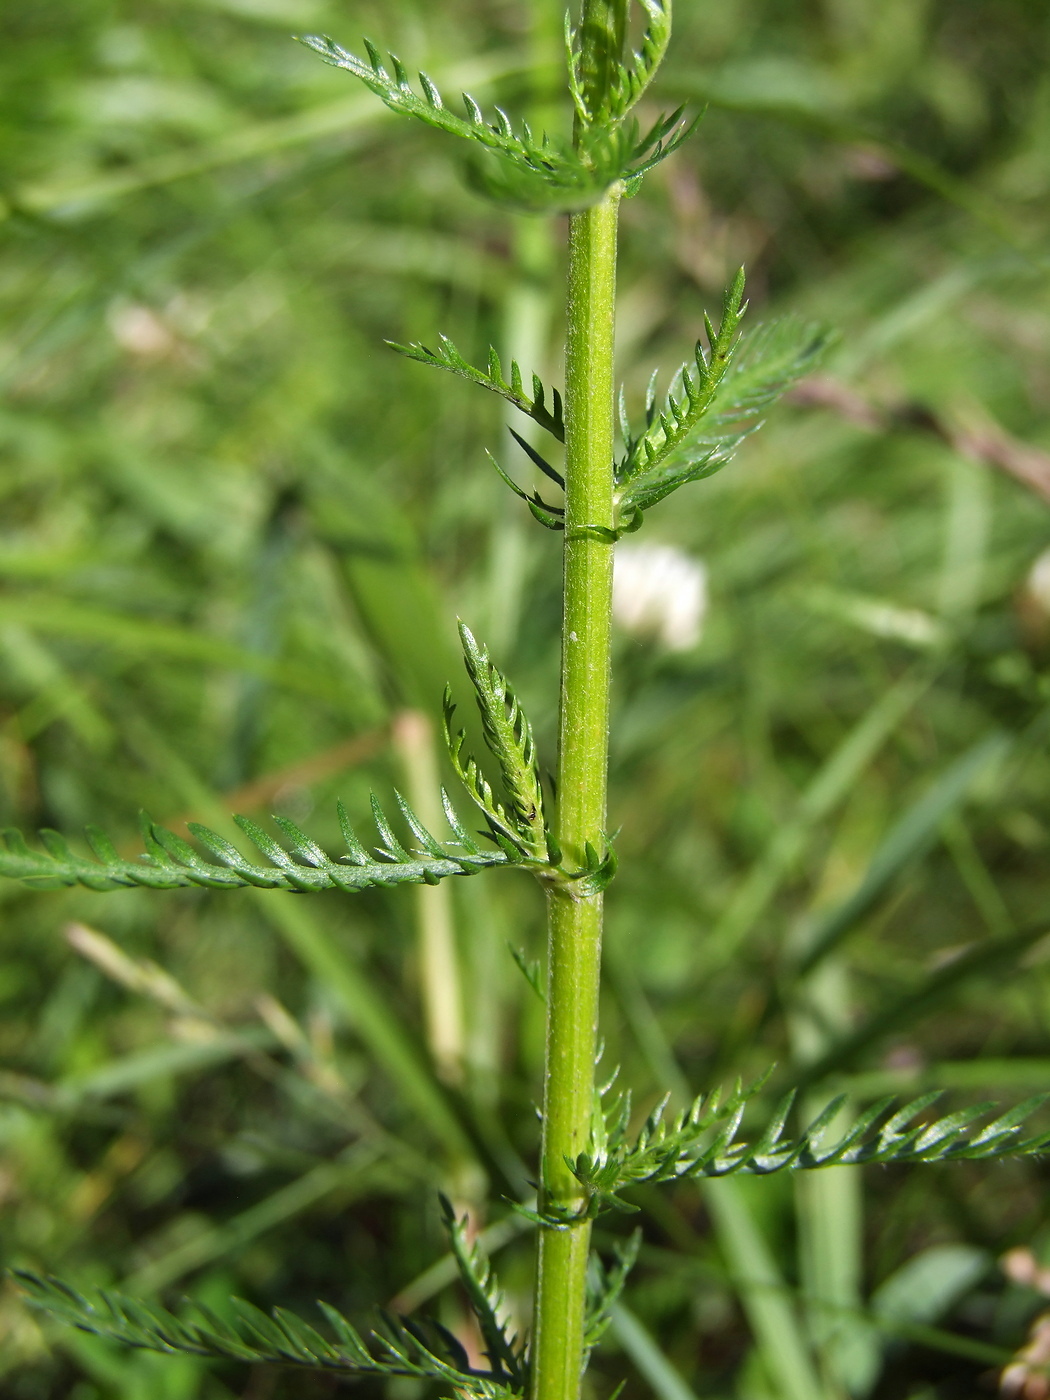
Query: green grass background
(236, 532)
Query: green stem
(575, 924)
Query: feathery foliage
(619, 85)
(605, 86)
(169, 862)
(400, 1348)
(518, 825)
(508, 734)
(491, 377)
(153, 361)
(668, 430)
(505, 1352)
(605, 1284)
(701, 1141)
(447, 357)
(530, 969)
(547, 172)
(712, 405)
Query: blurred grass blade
(907, 841)
(128, 1072)
(436, 945)
(989, 957)
(767, 1302)
(366, 1006)
(831, 1237)
(346, 120)
(985, 1073)
(353, 1175)
(393, 594)
(830, 786)
(146, 636)
(652, 1364)
(381, 1031)
(807, 111)
(928, 1284)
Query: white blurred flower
(661, 592)
(140, 331)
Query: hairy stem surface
(575, 924)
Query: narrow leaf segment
(491, 377)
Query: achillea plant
(615, 471)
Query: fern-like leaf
(621, 84)
(518, 825)
(605, 85)
(539, 170)
(631, 80)
(711, 405)
(604, 1287)
(447, 357)
(281, 1338)
(503, 1350)
(701, 1141)
(666, 135)
(771, 359)
(669, 429)
(544, 172)
(169, 862)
